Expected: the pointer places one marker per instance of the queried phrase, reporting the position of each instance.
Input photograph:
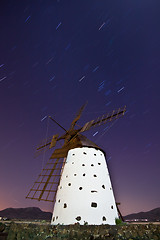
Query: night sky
(55, 56)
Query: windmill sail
(78, 115)
(74, 141)
(45, 143)
(45, 187)
(54, 140)
(78, 141)
(103, 119)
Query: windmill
(76, 177)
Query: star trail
(55, 56)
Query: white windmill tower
(76, 177)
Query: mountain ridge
(32, 213)
(26, 213)
(152, 215)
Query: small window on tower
(99, 163)
(93, 204)
(73, 154)
(65, 205)
(103, 186)
(80, 188)
(92, 165)
(83, 165)
(78, 218)
(95, 154)
(84, 174)
(69, 184)
(94, 175)
(75, 174)
(59, 200)
(85, 153)
(112, 206)
(104, 218)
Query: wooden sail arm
(45, 145)
(103, 119)
(54, 141)
(110, 118)
(57, 123)
(48, 179)
(93, 123)
(51, 142)
(78, 115)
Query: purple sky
(55, 55)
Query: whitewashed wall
(85, 193)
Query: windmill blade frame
(44, 143)
(78, 115)
(93, 123)
(103, 119)
(45, 186)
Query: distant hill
(26, 213)
(32, 213)
(152, 216)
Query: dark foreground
(44, 231)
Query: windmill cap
(82, 141)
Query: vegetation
(119, 221)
